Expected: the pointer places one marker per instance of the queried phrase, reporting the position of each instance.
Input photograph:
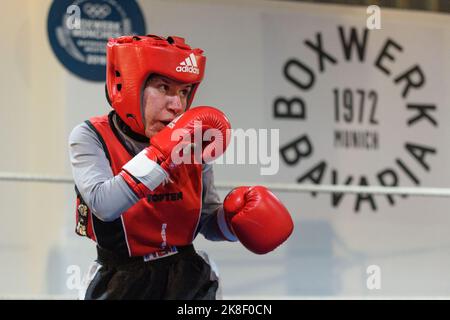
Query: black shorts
(181, 276)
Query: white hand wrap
(146, 171)
(223, 226)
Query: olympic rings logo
(97, 11)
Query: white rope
(286, 187)
(11, 176)
(282, 187)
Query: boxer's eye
(185, 92)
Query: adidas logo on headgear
(189, 65)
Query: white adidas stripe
(189, 61)
(194, 61)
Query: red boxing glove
(205, 128)
(257, 217)
(191, 129)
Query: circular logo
(78, 31)
(365, 119)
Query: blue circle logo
(78, 31)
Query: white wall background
(330, 249)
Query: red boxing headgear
(130, 61)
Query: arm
(105, 194)
(212, 209)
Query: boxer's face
(163, 100)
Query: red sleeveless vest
(169, 216)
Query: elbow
(102, 213)
(108, 200)
(103, 209)
(104, 217)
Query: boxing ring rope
(282, 187)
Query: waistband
(171, 253)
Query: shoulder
(83, 141)
(89, 129)
(81, 133)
